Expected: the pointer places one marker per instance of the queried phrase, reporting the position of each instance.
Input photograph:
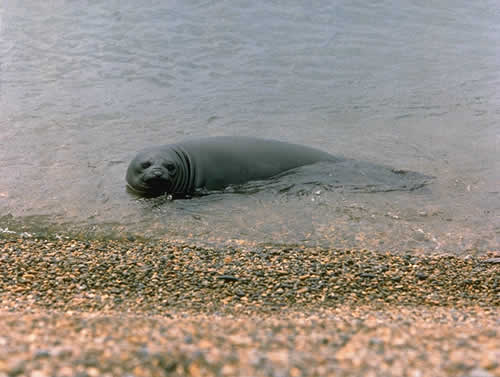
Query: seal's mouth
(150, 183)
(156, 181)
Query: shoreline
(95, 307)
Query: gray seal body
(214, 163)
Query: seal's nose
(155, 176)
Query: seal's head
(152, 172)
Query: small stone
(93, 372)
(16, 368)
(66, 371)
(228, 278)
(42, 354)
(478, 372)
(194, 370)
(374, 341)
(61, 352)
(239, 293)
(39, 373)
(368, 275)
(420, 235)
(489, 361)
(228, 370)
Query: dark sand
(130, 308)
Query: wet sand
(158, 308)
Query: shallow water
(83, 87)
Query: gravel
(157, 308)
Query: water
(412, 85)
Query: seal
(194, 166)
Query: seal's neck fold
(185, 184)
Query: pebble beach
(73, 307)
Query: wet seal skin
(184, 169)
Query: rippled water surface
(406, 84)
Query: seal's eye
(145, 164)
(170, 167)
